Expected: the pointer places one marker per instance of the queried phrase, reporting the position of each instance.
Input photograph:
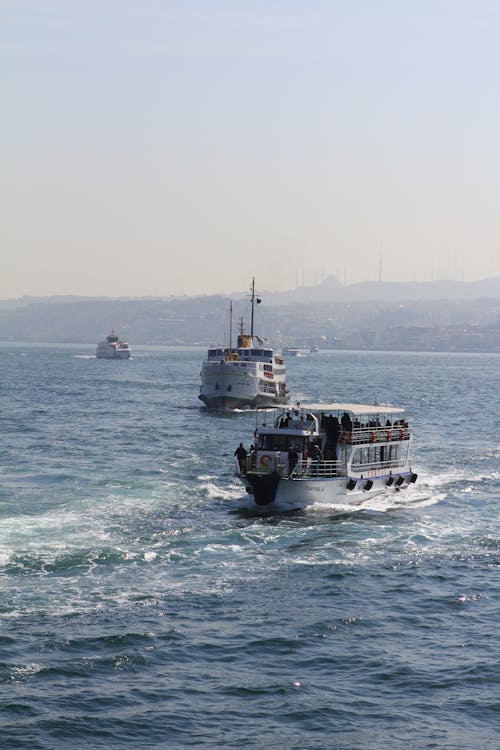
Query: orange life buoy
(265, 461)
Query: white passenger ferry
(328, 453)
(249, 375)
(113, 348)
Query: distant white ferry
(250, 375)
(113, 348)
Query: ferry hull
(120, 354)
(230, 403)
(268, 489)
(224, 388)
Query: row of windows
(243, 353)
(248, 366)
(378, 454)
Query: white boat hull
(225, 387)
(294, 492)
(118, 355)
(115, 354)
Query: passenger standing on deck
(252, 456)
(241, 455)
(346, 423)
(332, 438)
(293, 458)
(317, 457)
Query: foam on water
(146, 600)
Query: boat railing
(311, 468)
(324, 469)
(278, 462)
(376, 434)
(305, 468)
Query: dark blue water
(144, 604)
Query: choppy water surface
(145, 604)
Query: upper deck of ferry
(338, 408)
(356, 423)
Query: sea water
(145, 603)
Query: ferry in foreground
(250, 375)
(328, 453)
(113, 348)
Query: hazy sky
(163, 147)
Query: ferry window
(279, 443)
(393, 453)
(266, 386)
(268, 353)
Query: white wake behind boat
(360, 449)
(250, 375)
(113, 348)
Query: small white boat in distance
(328, 453)
(250, 375)
(113, 348)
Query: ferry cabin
(356, 441)
(249, 359)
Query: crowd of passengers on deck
(347, 431)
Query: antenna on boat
(253, 304)
(231, 329)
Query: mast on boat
(253, 303)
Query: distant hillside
(401, 318)
(331, 290)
